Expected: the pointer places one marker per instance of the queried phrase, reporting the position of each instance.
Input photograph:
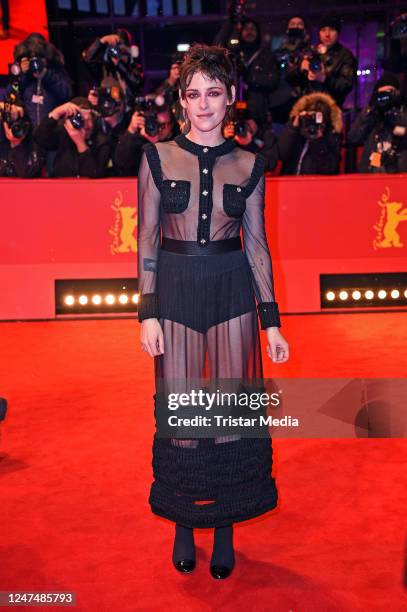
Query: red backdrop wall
(78, 228)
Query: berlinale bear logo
(125, 223)
(387, 235)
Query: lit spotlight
(405, 293)
(96, 299)
(134, 299)
(382, 294)
(69, 300)
(330, 296)
(395, 294)
(83, 299)
(369, 295)
(123, 299)
(110, 299)
(356, 295)
(343, 295)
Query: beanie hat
(331, 20)
(388, 79)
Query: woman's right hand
(152, 337)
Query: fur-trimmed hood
(309, 101)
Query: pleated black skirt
(208, 315)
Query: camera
(284, 59)
(77, 120)
(315, 62)
(113, 52)
(384, 101)
(109, 100)
(37, 65)
(149, 108)
(19, 127)
(311, 123)
(241, 116)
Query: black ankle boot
(183, 555)
(223, 555)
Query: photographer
(256, 65)
(81, 150)
(115, 56)
(153, 124)
(329, 67)
(169, 88)
(39, 74)
(19, 155)
(247, 135)
(310, 142)
(397, 61)
(382, 128)
(289, 57)
(113, 120)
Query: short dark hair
(213, 61)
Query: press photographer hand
(110, 39)
(152, 337)
(317, 76)
(137, 126)
(65, 110)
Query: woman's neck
(210, 139)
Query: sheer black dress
(207, 301)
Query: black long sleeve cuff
(147, 306)
(268, 314)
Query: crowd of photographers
(289, 106)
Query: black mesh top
(198, 193)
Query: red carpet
(75, 471)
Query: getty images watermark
(202, 413)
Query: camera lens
(77, 121)
(37, 64)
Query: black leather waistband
(190, 247)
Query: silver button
(205, 193)
(204, 216)
(239, 189)
(203, 240)
(205, 149)
(173, 184)
(205, 170)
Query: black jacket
(321, 156)
(340, 65)
(92, 163)
(260, 72)
(24, 161)
(131, 73)
(40, 96)
(369, 129)
(128, 153)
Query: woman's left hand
(277, 346)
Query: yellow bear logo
(125, 223)
(391, 215)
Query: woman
(198, 310)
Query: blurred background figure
(310, 143)
(70, 131)
(329, 67)
(19, 155)
(381, 127)
(256, 65)
(39, 76)
(289, 56)
(149, 123)
(115, 55)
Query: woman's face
(206, 102)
